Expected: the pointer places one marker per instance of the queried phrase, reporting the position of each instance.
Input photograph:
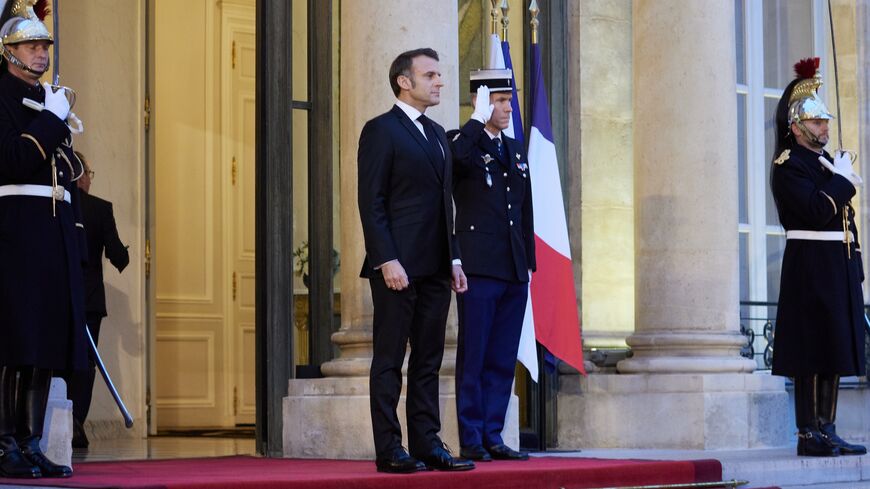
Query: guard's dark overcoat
(42, 315)
(820, 319)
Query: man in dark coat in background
(42, 248)
(102, 235)
(820, 317)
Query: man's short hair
(83, 160)
(402, 65)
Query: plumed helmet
(804, 102)
(21, 21)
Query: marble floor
(161, 447)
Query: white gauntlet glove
(482, 108)
(842, 166)
(56, 102)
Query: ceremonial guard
(494, 227)
(820, 319)
(42, 317)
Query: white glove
(56, 102)
(482, 108)
(842, 166)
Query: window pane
(740, 36)
(741, 159)
(788, 37)
(744, 267)
(775, 247)
(769, 145)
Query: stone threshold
(761, 467)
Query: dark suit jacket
(405, 204)
(102, 235)
(494, 223)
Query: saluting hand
(459, 283)
(394, 275)
(482, 108)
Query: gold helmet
(23, 25)
(804, 102)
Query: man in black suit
(412, 262)
(102, 235)
(494, 227)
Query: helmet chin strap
(20, 64)
(811, 138)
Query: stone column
(330, 417)
(685, 149)
(686, 385)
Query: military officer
(819, 325)
(42, 315)
(493, 196)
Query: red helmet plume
(806, 68)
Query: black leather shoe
(399, 462)
(30, 450)
(476, 453)
(829, 431)
(80, 438)
(504, 452)
(812, 443)
(15, 466)
(440, 459)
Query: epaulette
(782, 157)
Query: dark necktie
(498, 146)
(429, 130)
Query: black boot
(829, 389)
(811, 442)
(12, 462)
(33, 387)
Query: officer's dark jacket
(494, 223)
(41, 289)
(820, 320)
(102, 234)
(404, 200)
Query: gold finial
(505, 8)
(493, 26)
(534, 11)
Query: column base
(330, 418)
(57, 431)
(673, 411)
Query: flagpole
(534, 23)
(505, 8)
(493, 25)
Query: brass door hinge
(147, 258)
(234, 54)
(147, 115)
(234, 286)
(235, 169)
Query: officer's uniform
(820, 319)
(42, 247)
(494, 227)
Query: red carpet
(260, 473)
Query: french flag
(553, 297)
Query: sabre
(55, 68)
(128, 420)
(836, 80)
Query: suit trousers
(80, 383)
(417, 315)
(490, 322)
